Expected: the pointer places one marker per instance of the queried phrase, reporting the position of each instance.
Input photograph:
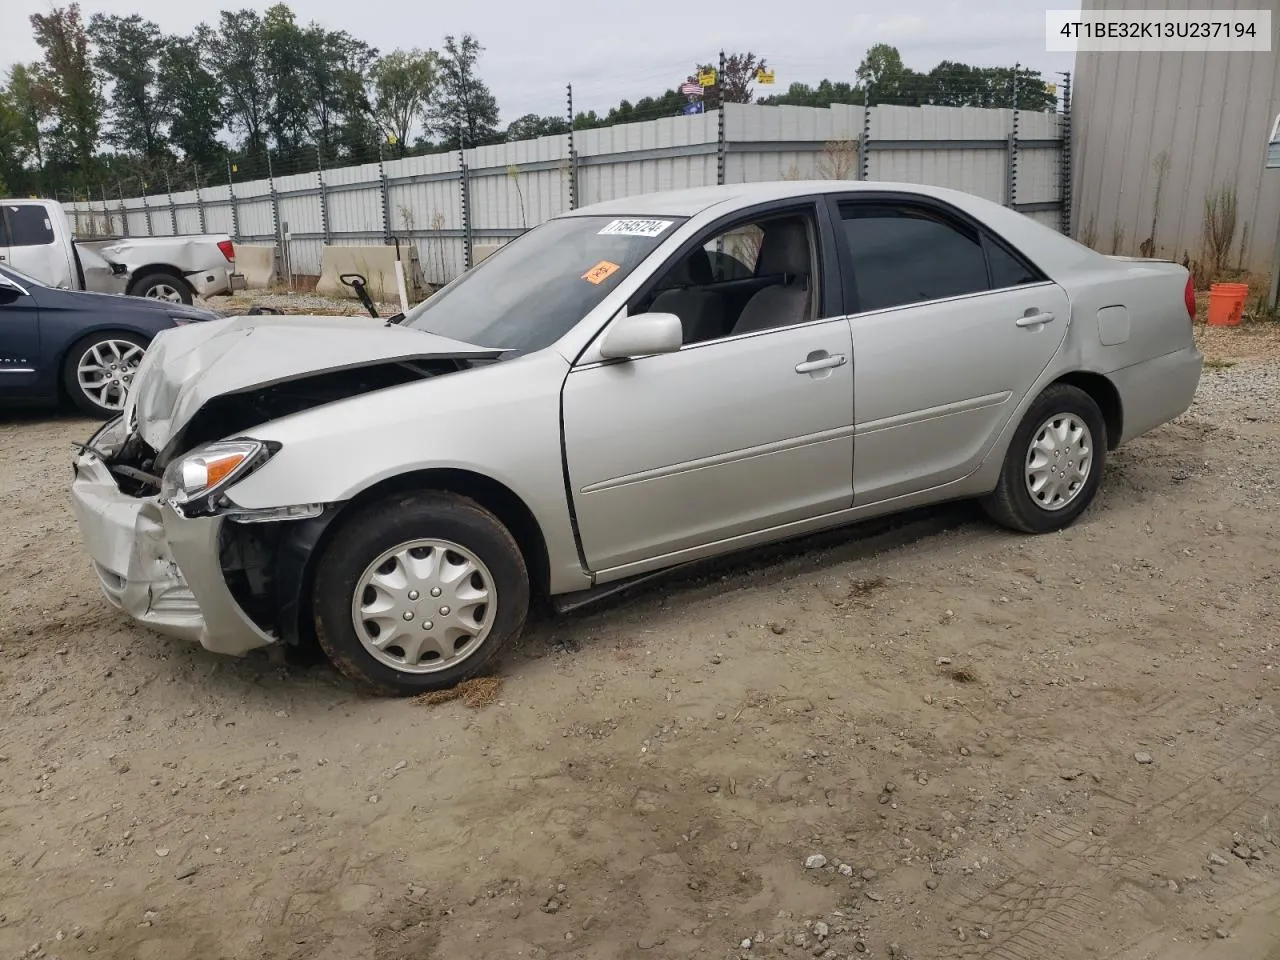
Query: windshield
(532, 291)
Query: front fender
(500, 421)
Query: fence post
(464, 190)
(124, 211)
(235, 207)
(864, 141)
(573, 158)
(173, 212)
(720, 144)
(275, 206)
(386, 199)
(1011, 186)
(146, 209)
(324, 197)
(200, 201)
(1064, 158)
(105, 212)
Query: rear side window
(29, 226)
(903, 255)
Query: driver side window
(755, 274)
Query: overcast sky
(633, 47)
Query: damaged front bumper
(163, 570)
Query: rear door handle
(1034, 319)
(823, 363)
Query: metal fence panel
(515, 186)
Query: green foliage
(127, 54)
(531, 126)
(190, 92)
(465, 112)
(73, 92)
(404, 82)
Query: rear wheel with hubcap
(1054, 464)
(418, 593)
(163, 286)
(98, 371)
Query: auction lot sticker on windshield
(635, 228)
(601, 272)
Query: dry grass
(476, 693)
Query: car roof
(690, 202)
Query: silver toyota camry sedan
(625, 388)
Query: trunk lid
(188, 366)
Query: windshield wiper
(393, 320)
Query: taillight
(1190, 294)
(228, 250)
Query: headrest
(785, 250)
(698, 267)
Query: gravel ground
(299, 303)
(942, 741)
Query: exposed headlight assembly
(194, 484)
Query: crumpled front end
(161, 569)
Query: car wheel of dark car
(98, 371)
(163, 286)
(419, 592)
(1054, 464)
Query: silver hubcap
(424, 606)
(163, 291)
(1059, 461)
(105, 372)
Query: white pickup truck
(36, 238)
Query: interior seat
(701, 311)
(785, 252)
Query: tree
(734, 82)
(288, 71)
(29, 101)
(340, 100)
(404, 84)
(531, 126)
(128, 49)
(75, 96)
(237, 58)
(824, 94)
(466, 113)
(190, 93)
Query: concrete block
(258, 264)
(377, 264)
(480, 251)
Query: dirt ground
(936, 740)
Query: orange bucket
(1226, 303)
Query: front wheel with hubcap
(418, 593)
(1054, 464)
(98, 371)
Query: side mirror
(642, 335)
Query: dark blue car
(58, 345)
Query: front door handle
(821, 363)
(1034, 319)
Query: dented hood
(188, 366)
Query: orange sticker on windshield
(601, 272)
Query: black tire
(152, 285)
(398, 520)
(1012, 504)
(87, 402)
